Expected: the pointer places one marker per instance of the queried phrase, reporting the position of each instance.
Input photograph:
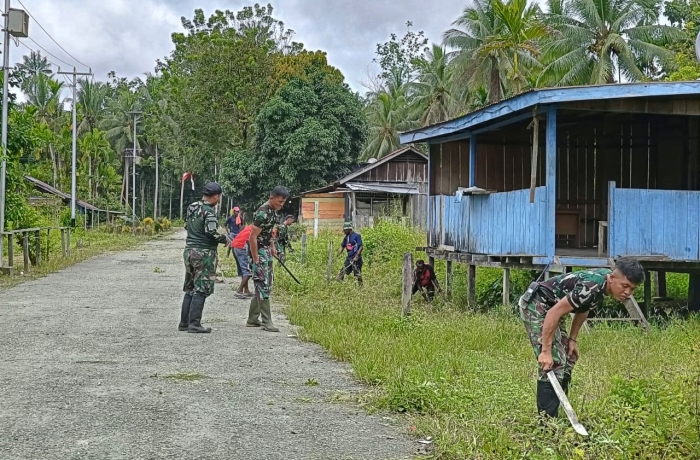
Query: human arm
(253, 243)
(358, 254)
(342, 246)
(551, 322)
(211, 228)
(576, 324)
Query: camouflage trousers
(262, 272)
(533, 315)
(200, 271)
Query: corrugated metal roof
(383, 187)
(46, 188)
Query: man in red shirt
(239, 245)
(425, 280)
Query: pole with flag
(185, 176)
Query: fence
(26, 253)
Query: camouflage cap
(347, 226)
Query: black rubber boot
(547, 401)
(196, 309)
(185, 312)
(266, 315)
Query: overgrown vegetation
(468, 378)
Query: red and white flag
(188, 175)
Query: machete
(578, 427)
(290, 273)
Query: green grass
(186, 377)
(93, 243)
(467, 379)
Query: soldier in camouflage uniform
(201, 257)
(282, 242)
(545, 313)
(261, 251)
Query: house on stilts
(570, 177)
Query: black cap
(212, 188)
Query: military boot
(196, 309)
(267, 316)
(254, 313)
(547, 400)
(185, 312)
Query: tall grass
(467, 379)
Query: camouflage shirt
(584, 289)
(202, 227)
(265, 218)
(283, 236)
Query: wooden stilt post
(647, 294)
(25, 250)
(471, 286)
(448, 280)
(655, 284)
(694, 292)
(48, 243)
(662, 284)
(506, 287)
(407, 284)
(431, 261)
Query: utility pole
(73, 184)
(133, 178)
(18, 28)
(155, 198)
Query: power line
(35, 51)
(50, 53)
(49, 35)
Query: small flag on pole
(188, 175)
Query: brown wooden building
(395, 184)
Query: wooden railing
(37, 232)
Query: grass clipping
(467, 379)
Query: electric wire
(50, 53)
(49, 35)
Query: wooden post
(535, 147)
(68, 240)
(303, 247)
(353, 208)
(448, 280)
(315, 219)
(407, 284)
(662, 284)
(48, 243)
(471, 286)
(25, 250)
(330, 262)
(37, 247)
(647, 294)
(431, 261)
(10, 250)
(506, 286)
(694, 292)
(63, 241)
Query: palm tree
(45, 98)
(387, 115)
(95, 150)
(597, 37)
(433, 100)
(92, 101)
(119, 127)
(30, 68)
(495, 42)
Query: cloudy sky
(127, 36)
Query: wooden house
(569, 177)
(396, 181)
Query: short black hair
(289, 216)
(420, 263)
(280, 191)
(631, 268)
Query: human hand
(573, 353)
(546, 361)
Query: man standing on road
(201, 257)
(353, 261)
(234, 223)
(544, 311)
(283, 238)
(424, 280)
(261, 251)
(240, 251)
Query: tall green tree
(599, 40)
(387, 116)
(433, 97)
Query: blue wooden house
(569, 177)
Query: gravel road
(93, 367)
